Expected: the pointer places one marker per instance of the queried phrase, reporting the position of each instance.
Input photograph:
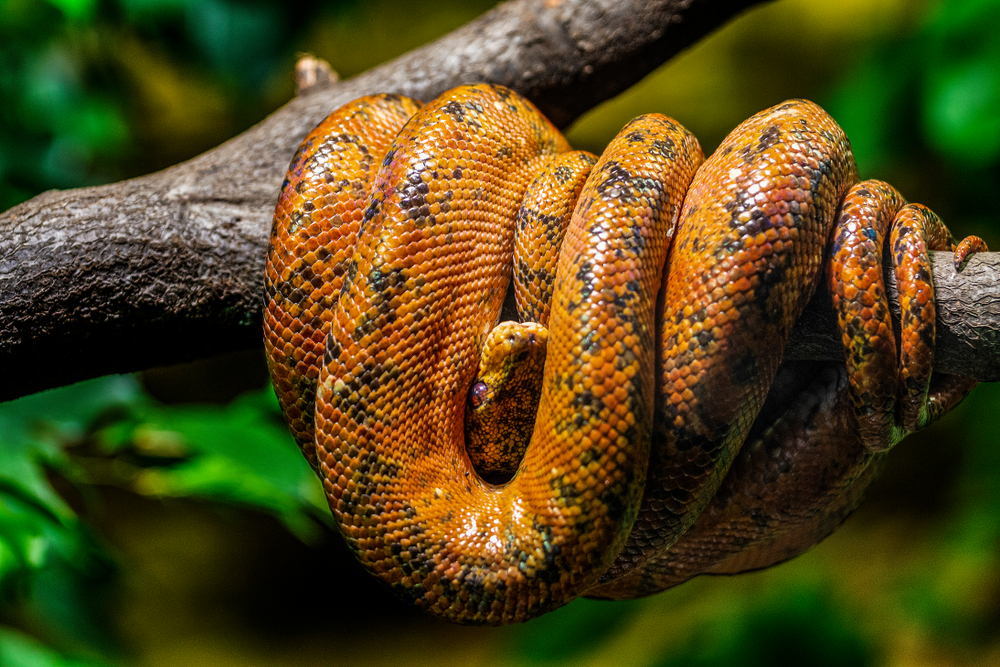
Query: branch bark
(168, 267)
(968, 319)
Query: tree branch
(168, 267)
(968, 319)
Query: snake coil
(658, 292)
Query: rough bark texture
(968, 319)
(168, 267)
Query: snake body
(390, 260)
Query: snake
(526, 374)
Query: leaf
(962, 83)
(241, 454)
(33, 430)
(18, 650)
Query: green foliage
(942, 81)
(239, 455)
(18, 650)
(70, 78)
(923, 112)
(961, 87)
(53, 570)
(98, 91)
(801, 626)
(960, 602)
(50, 563)
(55, 129)
(573, 631)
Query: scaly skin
(801, 471)
(644, 404)
(423, 288)
(746, 260)
(541, 225)
(501, 406)
(871, 211)
(806, 462)
(315, 230)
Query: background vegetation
(166, 518)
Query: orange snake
(669, 438)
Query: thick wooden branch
(968, 319)
(168, 267)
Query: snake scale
(640, 427)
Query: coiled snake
(669, 439)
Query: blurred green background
(166, 518)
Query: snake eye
(478, 394)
